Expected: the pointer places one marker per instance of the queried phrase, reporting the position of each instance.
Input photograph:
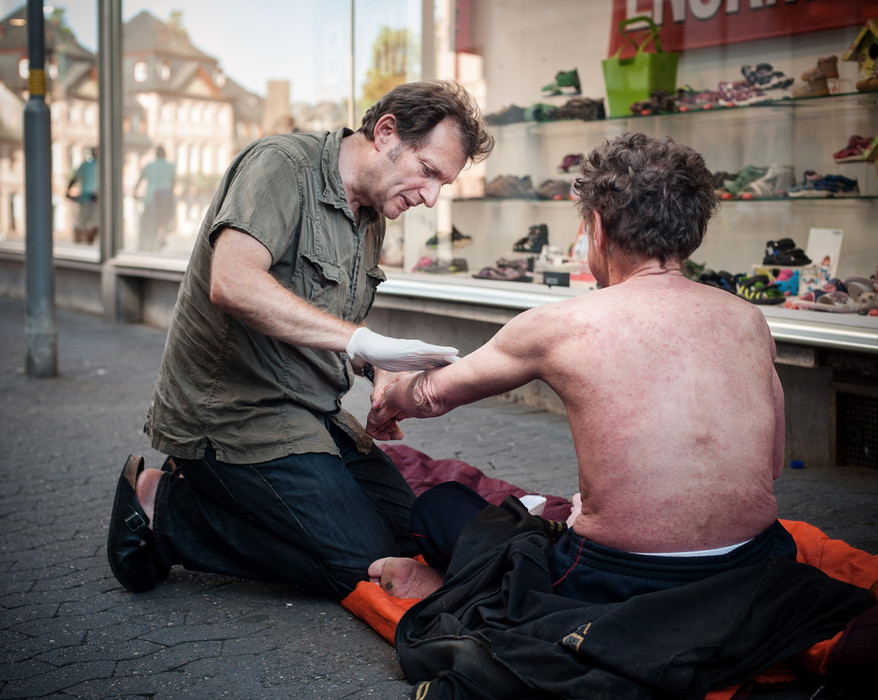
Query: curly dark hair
(419, 107)
(654, 196)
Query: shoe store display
(507, 271)
(815, 79)
(572, 160)
(512, 114)
(775, 183)
(565, 83)
(747, 175)
(554, 189)
(806, 188)
(764, 76)
(537, 237)
(511, 187)
(583, 108)
(458, 239)
(740, 92)
(855, 150)
(659, 102)
(444, 267)
(784, 253)
(688, 99)
(540, 112)
(721, 180)
(826, 67)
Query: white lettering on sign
(700, 9)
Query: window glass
(215, 77)
(387, 52)
(196, 90)
(71, 95)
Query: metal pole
(40, 333)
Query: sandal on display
(836, 301)
(784, 253)
(721, 280)
(758, 290)
(775, 183)
(566, 83)
(537, 237)
(854, 151)
(507, 270)
(789, 285)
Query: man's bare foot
(147, 485)
(405, 578)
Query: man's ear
(598, 233)
(385, 130)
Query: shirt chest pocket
(323, 283)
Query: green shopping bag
(634, 79)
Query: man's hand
(385, 413)
(397, 354)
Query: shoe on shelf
(855, 150)
(870, 153)
(444, 267)
(747, 175)
(774, 183)
(837, 185)
(571, 160)
(131, 550)
(816, 87)
(740, 92)
(554, 189)
(537, 237)
(566, 83)
(827, 67)
(511, 187)
(808, 186)
(764, 76)
(784, 253)
(510, 114)
(458, 239)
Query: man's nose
(430, 193)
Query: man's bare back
(667, 385)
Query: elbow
(222, 294)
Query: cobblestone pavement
(69, 630)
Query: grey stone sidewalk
(69, 630)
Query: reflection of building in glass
(72, 94)
(176, 97)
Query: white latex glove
(397, 354)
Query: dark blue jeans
(315, 520)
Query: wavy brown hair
(419, 107)
(654, 196)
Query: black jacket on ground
(496, 630)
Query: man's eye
(428, 171)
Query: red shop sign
(694, 24)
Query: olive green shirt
(255, 398)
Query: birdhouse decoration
(864, 50)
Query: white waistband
(698, 553)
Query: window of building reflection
(196, 90)
(72, 91)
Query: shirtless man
(676, 410)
